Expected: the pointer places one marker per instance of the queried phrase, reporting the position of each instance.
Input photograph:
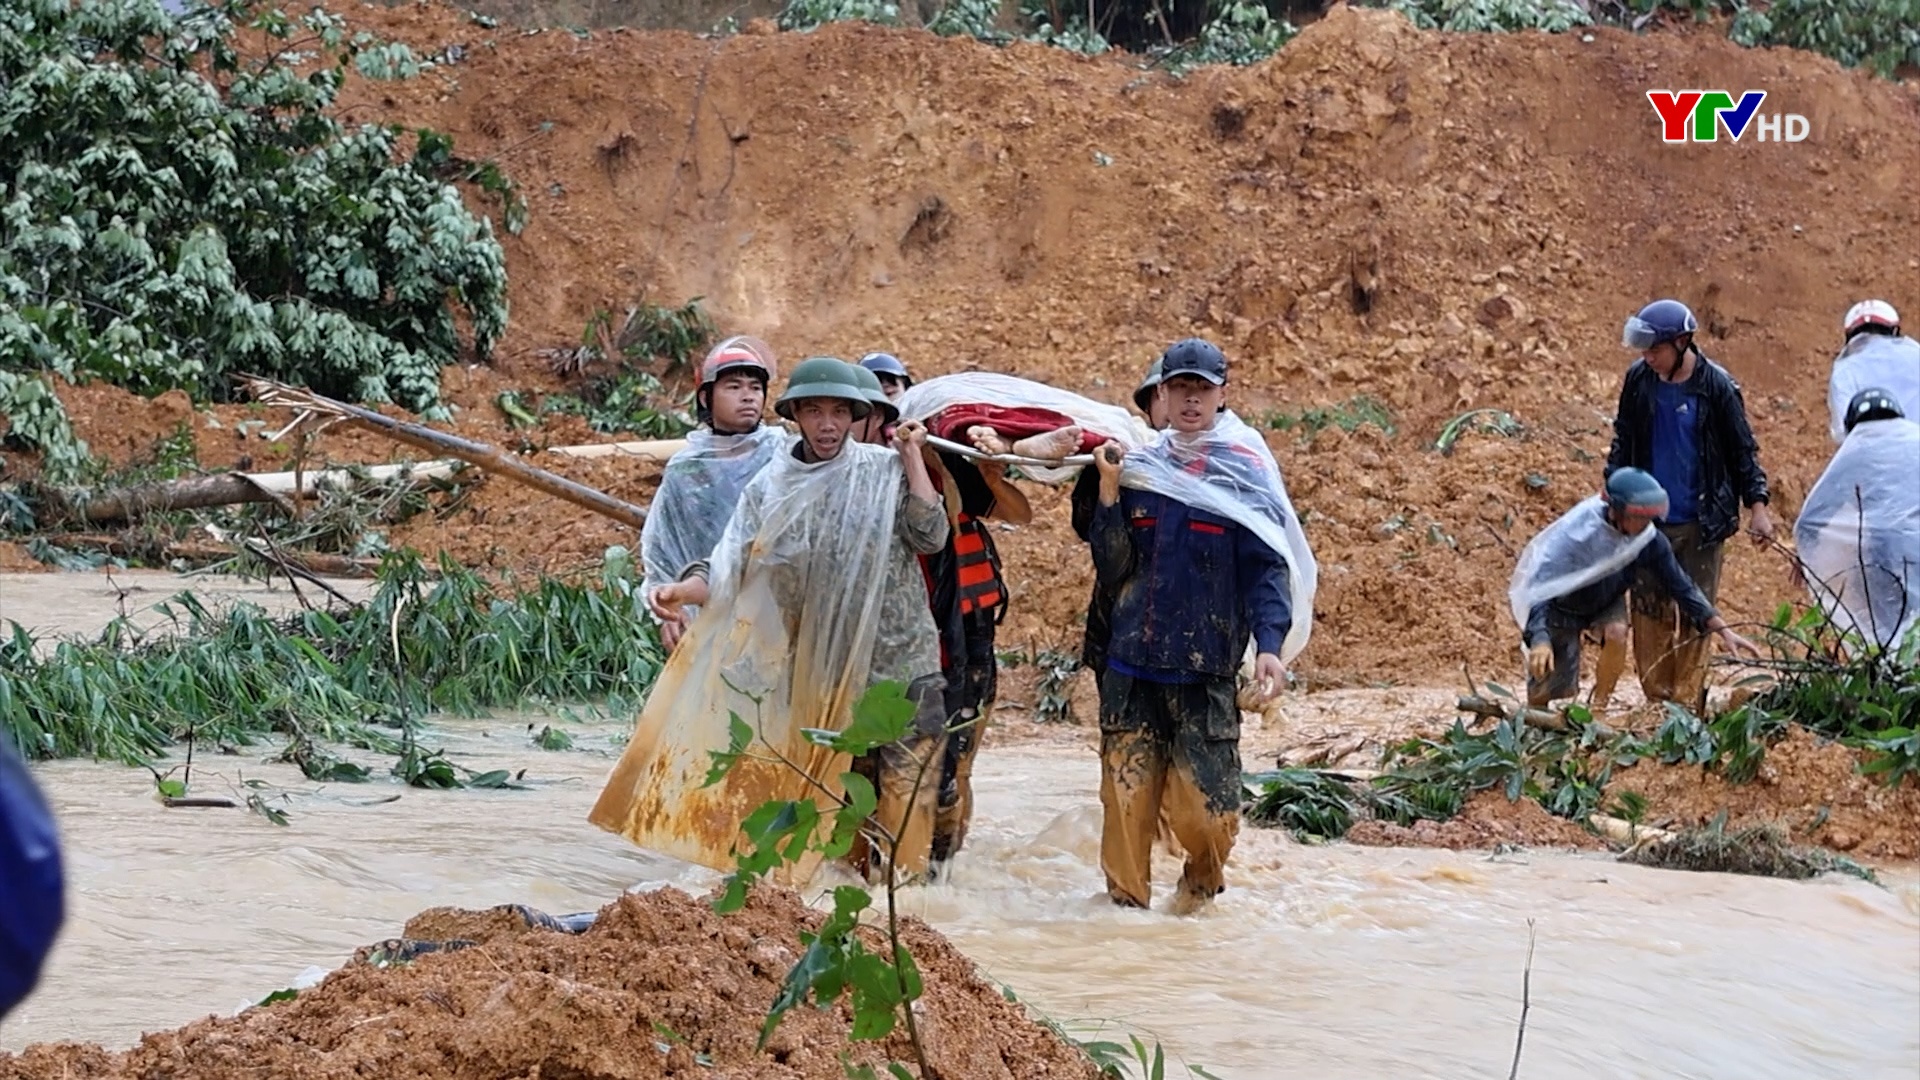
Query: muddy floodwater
(1322, 962)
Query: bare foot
(986, 440)
(1050, 445)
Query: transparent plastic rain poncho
(923, 400)
(790, 621)
(1874, 360)
(1228, 470)
(1570, 554)
(698, 491)
(1859, 533)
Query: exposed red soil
(1500, 202)
(1805, 783)
(1488, 820)
(656, 984)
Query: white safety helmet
(1868, 313)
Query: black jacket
(1730, 473)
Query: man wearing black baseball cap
(1191, 585)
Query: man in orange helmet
(702, 483)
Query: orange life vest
(977, 566)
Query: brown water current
(1323, 962)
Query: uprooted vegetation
(363, 676)
(1842, 716)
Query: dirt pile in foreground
(659, 986)
(1440, 222)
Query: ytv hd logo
(1710, 109)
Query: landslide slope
(1442, 222)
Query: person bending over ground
(826, 400)
(1573, 578)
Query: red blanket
(952, 422)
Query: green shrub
(177, 212)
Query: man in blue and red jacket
(1189, 588)
(32, 894)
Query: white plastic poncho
(790, 620)
(926, 399)
(1859, 533)
(698, 490)
(1228, 470)
(1869, 360)
(1572, 553)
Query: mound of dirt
(1487, 820)
(1439, 222)
(659, 986)
(1806, 784)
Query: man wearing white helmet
(1875, 355)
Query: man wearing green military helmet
(831, 404)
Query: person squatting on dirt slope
(1190, 585)
(1573, 578)
(701, 484)
(1875, 355)
(1681, 417)
(32, 885)
(826, 399)
(1858, 533)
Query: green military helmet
(826, 377)
(876, 393)
(1143, 397)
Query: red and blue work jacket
(1189, 588)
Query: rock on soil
(595, 1006)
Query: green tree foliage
(176, 210)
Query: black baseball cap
(1194, 356)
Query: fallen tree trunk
(312, 562)
(658, 450)
(1540, 718)
(226, 489)
(492, 459)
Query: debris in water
(1762, 850)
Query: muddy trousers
(1669, 654)
(906, 778)
(1172, 749)
(968, 722)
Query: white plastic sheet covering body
(923, 400)
(1572, 553)
(796, 588)
(1859, 533)
(699, 489)
(1228, 470)
(1869, 360)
